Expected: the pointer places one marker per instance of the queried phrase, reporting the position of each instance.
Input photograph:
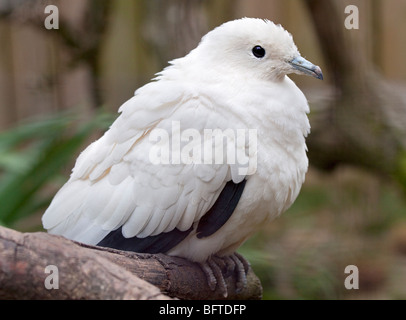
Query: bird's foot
(217, 268)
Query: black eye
(258, 51)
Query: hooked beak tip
(302, 66)
(318, 73)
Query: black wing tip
(160, 243)
(210, 223)
(222, 209)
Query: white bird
(235, 79)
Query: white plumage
(222, 84)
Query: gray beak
(306, 67)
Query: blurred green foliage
(400, 172)
(342, 218)
(33, 154)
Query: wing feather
(137, 221)
(115, 186)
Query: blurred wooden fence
(36, 77)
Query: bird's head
(255, 48)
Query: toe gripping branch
(218, 269)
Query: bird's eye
(258, 51)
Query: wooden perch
(87, 272)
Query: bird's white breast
(279, 114)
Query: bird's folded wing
(115, 184)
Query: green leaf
(32, 155)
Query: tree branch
(87, 272)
